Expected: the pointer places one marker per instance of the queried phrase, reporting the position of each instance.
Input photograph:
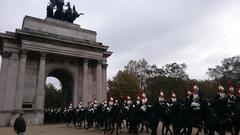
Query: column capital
(99, 61)
(5, 54)
(104, 64)
(43, 54)
(85, 60)
(23, 52)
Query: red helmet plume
(238, 89)
(193, 84)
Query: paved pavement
(60, 129)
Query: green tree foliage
(167, 85)
(175, 70)
(140, 69)
(228, 70)
(143, 70)
(208, 88)
(170, 77)
(123, 84)
(53, 97)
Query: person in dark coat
(20, 125)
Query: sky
(199, 33)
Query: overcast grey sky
(198, 32)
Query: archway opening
(53, 93)
(60, 83)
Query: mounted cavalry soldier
(70, 107)
(238, 90)
(138, 101)
(231, 97)
(238, 94)
(189, 98)
(220, 95)
(80, 114)
(111, 102)
(105, 104)
(128, 102)
(189, 95)
(116, 103)
(144, 100)
(90, 107)
(69, 114)
(173, 99)
(80, 105)
(95, 104)
(161, 98)
(195, 96)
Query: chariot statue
(56, 10)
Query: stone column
(80, 82)
(21, 80)
(3, 76)
(104, 80)
(75, 90)
(85, 83)
(99, 82)
(41, 83)
(11, 82)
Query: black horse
(81, 117)
(236, 116)
(115, 118)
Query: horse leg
(189, 132)
(206, 131)
(146, 126)
(211, 132)
(117, 127)
(124, 125)
(236, 130)
(98, 126)
(130, 127)
(112, 127)
(105, 127)
(168, 129)
(142, 127)
(154, 130)
(135, 129)
(154, 125)
(84, 123)
(163, 127)
(184, 132)
(199, 130)
(80, 124)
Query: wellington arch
(43, 48)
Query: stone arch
(67, 79)
(50, 68)
(26, 62)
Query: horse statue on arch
(56, 10)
